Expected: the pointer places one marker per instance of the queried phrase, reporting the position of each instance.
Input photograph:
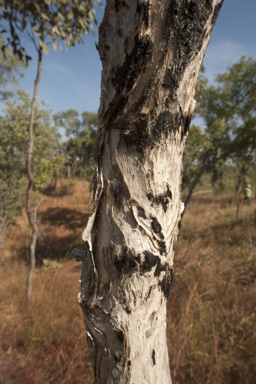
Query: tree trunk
(151, 54)
(3, 226)
(31, 206)
(54, 181)
(192, 187)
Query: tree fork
(151, 54)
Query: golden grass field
(211, 309)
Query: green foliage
(228, 111)
(10, 70)
(239, 99)
(81, 135)
(51, 264)
(11, 172)
(47, 157)
(12, 162)
(48, 21)
(193, 152)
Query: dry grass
(45, 341)
(211, 323)
(62, 216)
(211, 310)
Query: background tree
(239, 100)
(80, 134)
(228, 135)
(151, 56)
(11, 175)
(43, 23)
(13, 145)
(11, 69)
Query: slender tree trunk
(151, 54)
(192, 187)
(68, 171)
(54, 181)
(31, 206)
(3, 226)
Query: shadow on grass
(69, 218)
(53, 248)
(63, 190)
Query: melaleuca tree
(151, 53)
(44, 23)
(80, 133)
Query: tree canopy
(11, 69)
(45, 22)
(228, 112)
(80, 132)
(13, 146)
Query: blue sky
(71, 79)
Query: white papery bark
(151, 53)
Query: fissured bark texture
(151, 53)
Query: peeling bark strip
(151, 53)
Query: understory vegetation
(211, 309)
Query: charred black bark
(151, 56)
